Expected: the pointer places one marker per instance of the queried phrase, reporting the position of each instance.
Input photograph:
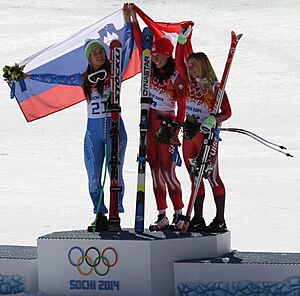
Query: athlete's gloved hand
(168, 131)
(162, 135)
(190, 127)
(183, 35)
(209, 123)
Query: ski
(115, 109)
(147, 39)
(200, 166)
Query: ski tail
(115, 109)
(201, 162)
(147, 39)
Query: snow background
(43, 183)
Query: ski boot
(197, 225)
(161, 223)
(100, 224)
(176, 223)
(216, 226)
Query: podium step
(239, 273)
(18, 269)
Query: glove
(167, 135)
(168, 132)
(209, 123)
(13, 73)
(190, 127)
(163, 135)
(184, 33)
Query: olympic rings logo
(196, 91)
(93, 259)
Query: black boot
(217, 226)
(197, 225)
(100, 224)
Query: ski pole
(258, 139)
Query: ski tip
(289, 155)
(147, 30)
(237, 37)
(115, 43)
(147, 38)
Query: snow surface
(43, 183)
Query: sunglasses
(97, 76)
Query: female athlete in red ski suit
(202, 90)
(167, 88)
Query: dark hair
(166, 72)
(86, 84)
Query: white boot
(161, 223)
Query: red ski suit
(159, 155)
(200, 103)
(165, 96)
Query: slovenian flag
(37, 99)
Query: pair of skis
(147, 39)
(115, 109)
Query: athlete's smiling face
(194, 68)
(160, 60)
(97, 58)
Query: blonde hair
(207, 72)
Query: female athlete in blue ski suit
(99, 121)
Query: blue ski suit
(98, 127)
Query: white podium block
(125, 263)
(18, 270)
(239, 273)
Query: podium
(161, 263)
(125, 263)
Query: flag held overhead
(37, 99)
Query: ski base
(115, 109)
(147, 38)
